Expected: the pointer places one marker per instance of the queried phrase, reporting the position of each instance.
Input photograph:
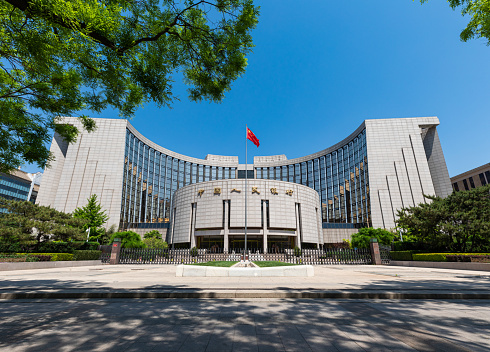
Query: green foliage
(194, 252)
(297, 251)
(458, 223)
(153, 234)
(129, 239)
(430, 257)
(218, 263)
(363, 237)
(271, 263)
(55, 257)
(26, 224)
(401, 255)
(155, 243)
(95, 217)
(61, 57)
(479, 25)
(87, 255)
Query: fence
(305, 256)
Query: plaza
(264, 322)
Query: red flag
(252, 137)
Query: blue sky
(321, 67)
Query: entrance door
(254, 243)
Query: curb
(237, 294)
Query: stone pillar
(264, 229)
(375, 255)
(115, 251)
(226, 230)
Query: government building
(382, 166)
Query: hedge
(87, 255)
(55, 257)
(430, 257)
(401, 255)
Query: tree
(363, 237)
(458, 223)
(95, 216)
(153, 239)
(61, 57)
(26, 223)
(129, 239)
(479, 25)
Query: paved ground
(161, 278)
(244, 325)
(258, 324)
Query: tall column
(264, 229)
(226, 229)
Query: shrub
(38, 258)
(401, 255)
(87, 255)
(153, 234)
(129, 239)
(430, 257)
(54, 257)
(362, 238)
(297, 251)
(194, 252)
(155, 243)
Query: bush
(401, 255)
(155, 243)
(65, 247)
(407, 246)
(153, 234)
(38, 258)
(363, 237)
(54, 257)
(297, 251)
(194, 252)
(11, 248)
(430, 257)
(129, 239)
(87, 255)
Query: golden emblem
(217, 190)
(200, 192)
(274, 191)
(235, 190)
(289, 192)
(255, 190)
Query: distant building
(477, 177)
(20, 185)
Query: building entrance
(254, 243)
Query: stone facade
(361, 181)
(274, 208)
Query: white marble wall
(282, 209)
(401, 167)
(94, 164)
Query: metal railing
(304, 256)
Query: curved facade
(361, 181)
(279, 215)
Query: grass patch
(271, 263)
(219, 263)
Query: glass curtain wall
(340, 178)
(151, 178)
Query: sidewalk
(159, 281)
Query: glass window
(465, 183)
(482, 179)
(472, 184)
(455, 186)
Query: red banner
(252, 137)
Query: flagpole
(246, 189)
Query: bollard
(115, 251)
(375, 255)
